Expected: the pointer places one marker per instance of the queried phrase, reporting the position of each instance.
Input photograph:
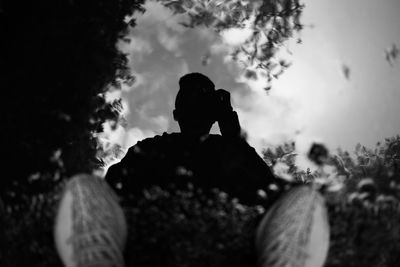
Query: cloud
(170, 41)
(156, 14)
(109, 137)
(157, 25)
(303, 106)
(160, 122)
(112, 95)
(136, 45)
(155, 60)
(133, 135)
(139, 81)
(125, 108)
(236, 36)
(219, 48)
(282, 170)
(266, 119)
(121, 136)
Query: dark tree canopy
(59, 58)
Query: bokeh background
(84, 80)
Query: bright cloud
(169, 41)
(157, 14)
(111, 136)
(134, 135)
(265, 119)
(112, 95)
(236, 36)
(296, 109)
(136, 45)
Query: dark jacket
(226, 163)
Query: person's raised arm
(227, 118)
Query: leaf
(346, 71)
(295, 231)
(250, 74)
(268, 88)
(391, 54)
(90, 227)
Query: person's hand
(223, 105)
(227, 119)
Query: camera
(210, 105)
(220, 104)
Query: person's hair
(192, 88)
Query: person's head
(193, 107)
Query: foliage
(182, 227)
(60, 58)
(286, 154)
(271, 22)
(381, 164)
(188, 228)
(392, 54)
(364, 233)
(29, 237)
(364, 212)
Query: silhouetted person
(194, 156)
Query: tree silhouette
(59, 58)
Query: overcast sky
(311, 101)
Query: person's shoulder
(164, 138)
(217, 138)
(153, 142)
